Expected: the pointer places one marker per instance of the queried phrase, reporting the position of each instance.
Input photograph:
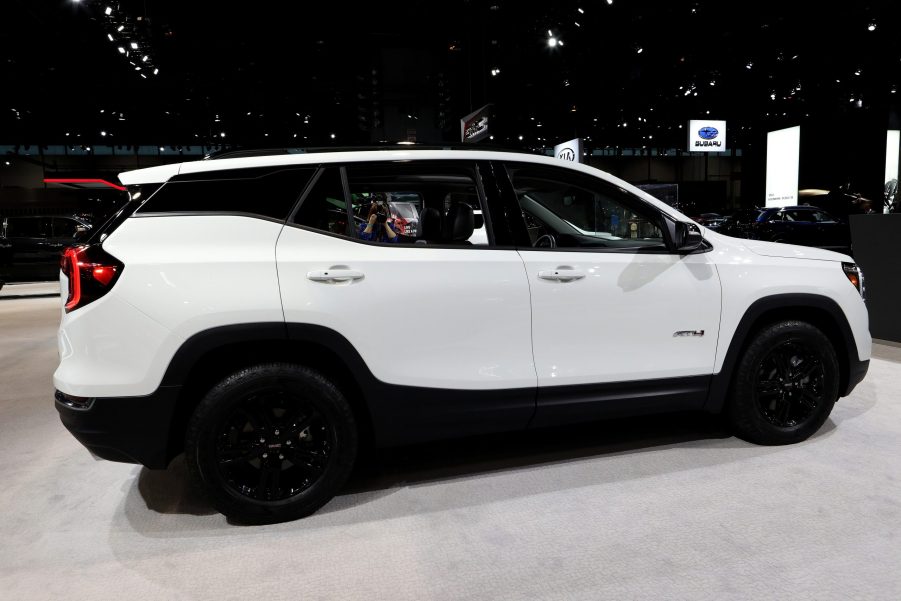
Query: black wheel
(785, 385)
(271, 443)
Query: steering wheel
(545, 241)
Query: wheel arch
(209, 356)
(820, 311)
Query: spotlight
(871, 27)
(110, 36)
(551, 42)
(120, 28)
(134, 45)
(108, 11)
(144, 58)
(121, 50)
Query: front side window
(565, 210)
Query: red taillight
(91, 273)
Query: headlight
(855, 276)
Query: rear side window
(270, 195)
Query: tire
(785, 384)
(271, 443)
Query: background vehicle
(711, 220)
(804, 225)
(37, 242)
(270, 362)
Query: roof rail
(258, 152)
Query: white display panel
(892, 148)
(706, 135)
(783, 150)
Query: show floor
(662, 508)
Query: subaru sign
(706, 136)
(570, 150)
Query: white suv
(237, 310)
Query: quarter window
(269, 195)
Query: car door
(441, 323)
(619, 322)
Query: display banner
(571, 150)
(892, 148)
(474, 126)
(783, 150)
(705, 135)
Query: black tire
(271, 443)
(785, 384)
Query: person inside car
(377, 228)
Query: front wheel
(785, 385)
(271, 443)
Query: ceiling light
(639, 50)
(551, 42)
(144, 58)
(134, 45)
(108, 11)
(121, 50)
(332, 136)
(156, 71)
(871, 27)
(110, 36)
(120, 28)
(581, 12)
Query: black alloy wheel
(273, 446)
(790, 384)
(271, 443)
(785, 384)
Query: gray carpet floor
(659, 508)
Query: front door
(618, 321)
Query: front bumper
(126, 429)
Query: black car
(36, 243)
(804, 224)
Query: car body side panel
(748, 276)
(182, 275)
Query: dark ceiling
(277, 73)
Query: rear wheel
(271, 443)
(785, 385)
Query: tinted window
(797, 215)
(28, 227)
(270, 195)
(64, 228)
(324, 208)
(570, 211)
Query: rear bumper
(856, 372)
(126, 429)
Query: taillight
(91, 272)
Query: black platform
(877, 249)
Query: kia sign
(570, 150)
(783, 149)
(474, 126)
(706, 136)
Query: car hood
(793, 251)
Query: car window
(324, 208)
(265, 192)
(28, 227)
(568, 211)
(425, 203)
(796, 215)
(821, 216)
(64, 228)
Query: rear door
(442, 326)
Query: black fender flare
(847, 356)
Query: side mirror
(687, 237)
